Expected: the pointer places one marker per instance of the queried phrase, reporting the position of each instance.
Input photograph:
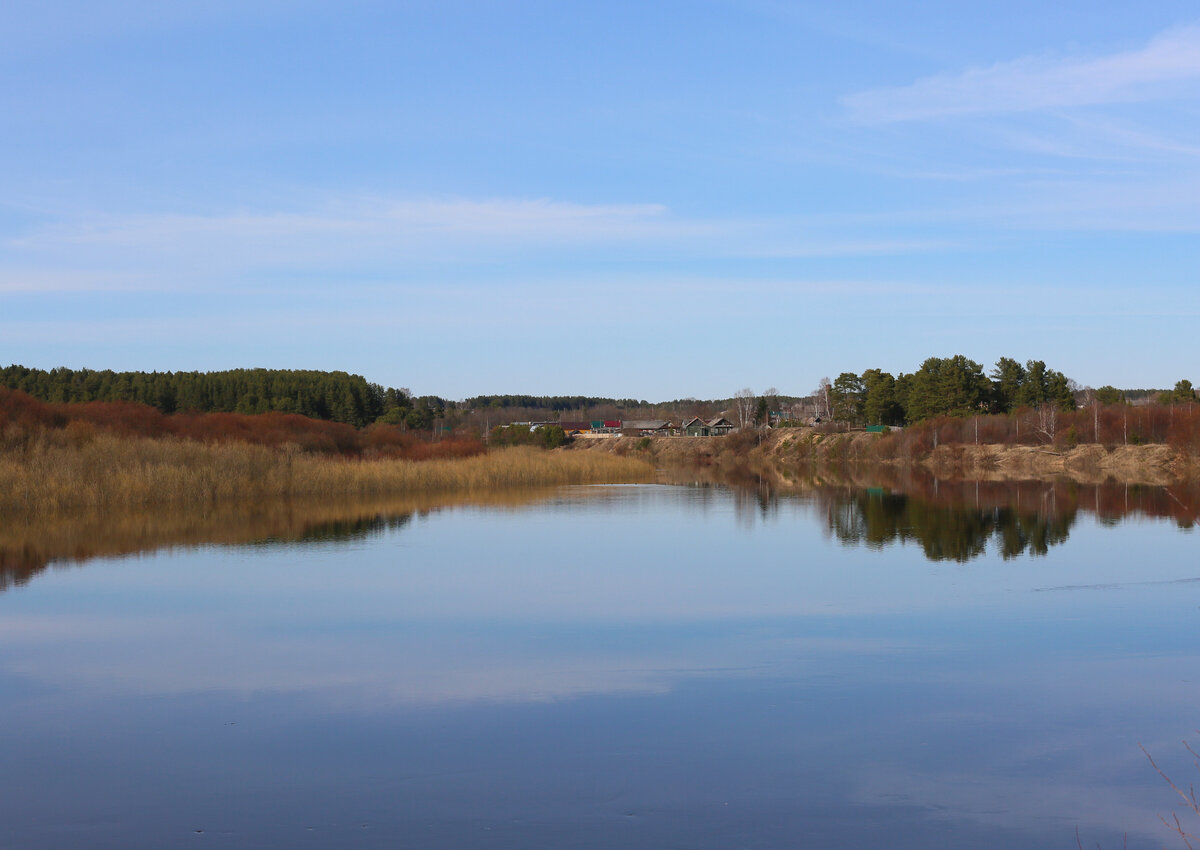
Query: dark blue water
(639, 666)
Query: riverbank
(107, 471)
(784, 449)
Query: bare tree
(1092, 400)
(744, 401)
(823, 396)
(1047, 420)
(771, 394)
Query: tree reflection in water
(954, 521)
(30, 544)
(946, 532)
(959, 520)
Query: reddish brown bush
(390, 441)
(123, 418)
(1177, 425)
(24, 412)
(23, 418)
(1183, 431)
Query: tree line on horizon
(957, 386)
(554, 403)
(950, 386)
(331, 396)
(26, 421)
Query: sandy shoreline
(784, 447)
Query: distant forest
(951, 386)
(332, 396)
(550, 402)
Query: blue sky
(656, 200)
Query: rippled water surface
(634, 666)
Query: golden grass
(108, 471)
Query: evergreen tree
(1007, 378)
(847, 397)
(880, 405)
(947, 386)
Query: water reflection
(946, 532)
(635, 667)
(30, 544)
(958, 520)
(954, 521)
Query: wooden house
(720, 426)
(697, 427)
(645, 427)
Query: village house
(694, 427)
(697, 427)
(646, 427)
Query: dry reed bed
(112, 471)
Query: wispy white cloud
(539, 220)
(393, 237)
(432, 244)
(1119, 134)
(1168, 66)
(16, 281)
(971, 175)
(1097, 205)
(180, 250)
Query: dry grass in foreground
(114, 471)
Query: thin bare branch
(1177, 829)
(1189, 748)
(1189, 800)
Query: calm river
(614, 667)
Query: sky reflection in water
(638, 666)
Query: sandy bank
(785, 447)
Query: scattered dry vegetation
(24, 419)
(56, 457)
(947, 447)
(106, 470)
